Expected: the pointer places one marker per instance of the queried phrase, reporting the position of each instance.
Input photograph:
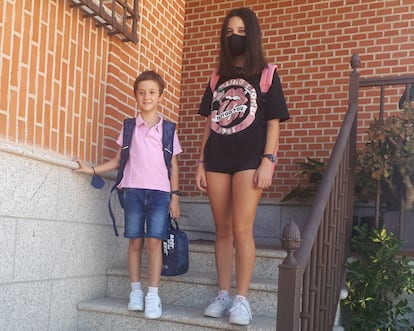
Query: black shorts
(230, 161)
(233, 168)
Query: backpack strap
(129, 125)
(168, 130)
(266, 78)
(214, 79)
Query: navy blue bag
(175, 258)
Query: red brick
(73, 64)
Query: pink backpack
(265, 80)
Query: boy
(149, 195)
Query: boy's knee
(135, 244)
(152, 243)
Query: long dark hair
(255, 60)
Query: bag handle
(173, 224)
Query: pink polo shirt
(146, 166)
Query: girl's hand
(263, 176)
(200, 178)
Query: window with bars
(119, 17)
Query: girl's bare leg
(245, 199)
(220, 192)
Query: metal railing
(117, 16)
(384, 82)
(312, 275)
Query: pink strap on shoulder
(265, 80)
(214, 79)
(267, 77)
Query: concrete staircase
(185, 297)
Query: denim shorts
(146, 213)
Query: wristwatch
(271, 157)
(176, 193)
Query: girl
(237, 155)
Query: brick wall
(66, 85)
(312, 42)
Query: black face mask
(237, 44)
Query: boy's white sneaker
(240, 312)
(136, 300)
(153, 307)
(219, 306)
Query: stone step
(109, 314)
(268, 259)
(199, 285)
(196, 289)
(202, 259)
(197, 219)
(184, 297)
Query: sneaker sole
(139, 308)
(151, 317)
(214, 315)
(239, 322)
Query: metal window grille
(119, 17)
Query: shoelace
(153, 300)
(219, 300)
(136, 294)
(238, 305)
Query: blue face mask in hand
(237, 44)
(97, 181)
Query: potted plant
(314, 170)
(378, 275)
(385, 166)
(376, 280)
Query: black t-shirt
(239, 112)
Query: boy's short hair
(149, 75)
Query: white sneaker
(153, 307)
(240, 312)
(136, 300)
(219, 306)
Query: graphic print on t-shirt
(234, 106)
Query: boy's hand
(175, 207)
(83, 168)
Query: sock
(239, 297)
(223, 293)
(152, 290)
(135, 286)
